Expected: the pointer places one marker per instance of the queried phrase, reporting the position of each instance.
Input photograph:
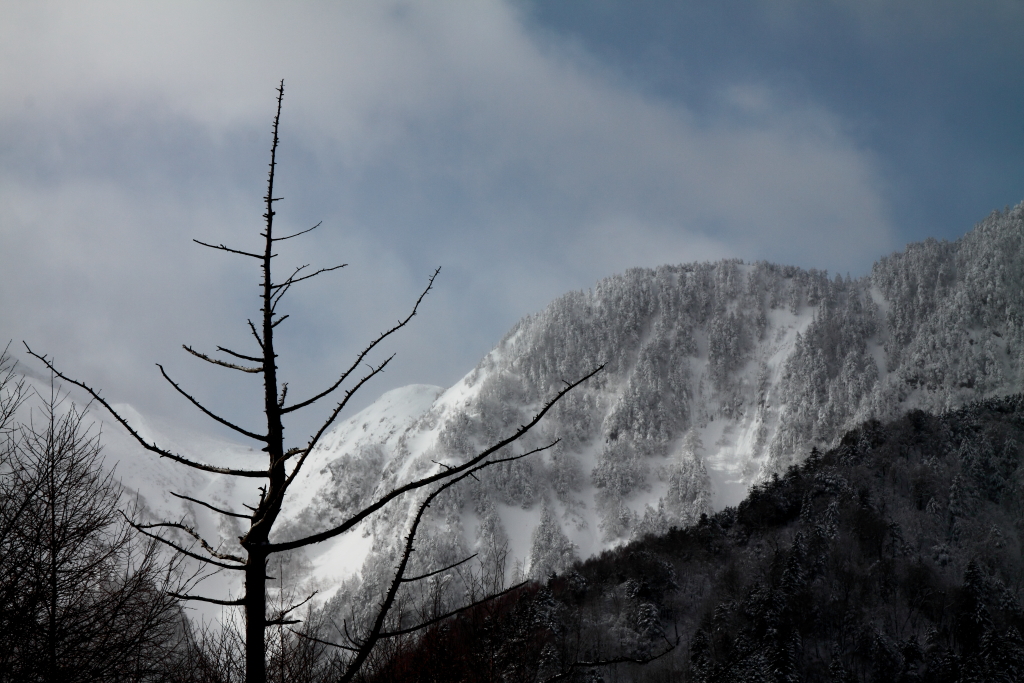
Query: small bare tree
(83, 596)
(284, 463)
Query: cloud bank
(422, 134)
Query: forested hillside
(716, 376)
(895, 556)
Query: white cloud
(422, 133)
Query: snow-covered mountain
(716, 375)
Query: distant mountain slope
(717, 375)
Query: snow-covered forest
(717, 376)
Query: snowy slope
(716, 375)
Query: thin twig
(330, 420)
(442, 617)
(324, 642)
(281, 239)
(221, 363)
(228, 603)
(259, 340)
(233, 251)
(292, 280)
(439, 571)
(207, 505)
(186, 551)
(194, 534)
(239, 355)
(279, 620)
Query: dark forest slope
(895, 556)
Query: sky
(526, 148)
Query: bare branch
(145, 444)
(295, 607)
(323, 428)
(396, 583)
(281, 239)
(282, 288)
(439, 571)
(185, 551)
(233, 251)
(228, 603)
(292, 280)
(279, 321)
(447, 466)
(212, 416)
(394, 493)
(328, 422)
(348, 636)
(16, 393)
(259, 340)
(362, 355)
(426, 481)
(280, 619)
(239, 355)
(194, 534)
(220, 362)
(376, 631)
(207, 505)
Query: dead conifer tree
(284, 463)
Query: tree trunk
(51, 504)
(255, 616)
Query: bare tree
(12, 392)
(83, 596)
(284, 463)
(15, 500)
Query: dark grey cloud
(927, 85)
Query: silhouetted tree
(83, 596)
(285, 462)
